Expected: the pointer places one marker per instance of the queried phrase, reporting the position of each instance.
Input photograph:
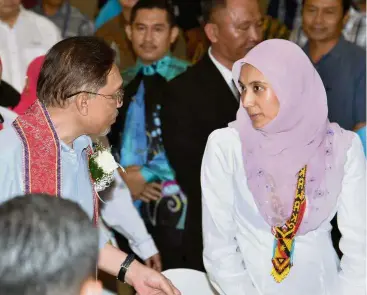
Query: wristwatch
(124, 267)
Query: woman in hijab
(273, 180)
(29, 94)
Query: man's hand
(154, 262)
(147, 281)
(152, 192)
(134, 180)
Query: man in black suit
(204, 99)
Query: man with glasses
(48, 151)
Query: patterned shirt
(354, 30)
(70, 21)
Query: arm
(222, 259)
(120, 213)
(352, 222)
(145, 280)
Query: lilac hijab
(300, 135)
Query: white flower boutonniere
(101, 166)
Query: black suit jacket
(194, 104)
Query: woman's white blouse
(238, 243)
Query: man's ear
(91, 287)
(174, 34)
(82, 103)
(128, 31)
(211, 31)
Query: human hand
(134, 180)
(147, 281)
(154, 262)
(152, 192)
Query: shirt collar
(79, 145)
(226, 73)
(336, 51)
(160, 66)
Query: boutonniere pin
(101, 166)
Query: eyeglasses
(118, 95)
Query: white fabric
(128, 222)
(226, 73)
(238, 243)
(189, 281)
(32, 35)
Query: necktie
(235, 91)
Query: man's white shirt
(31, 36)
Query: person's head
(79, 75)
(48, 246)
(299, 137)
(128, 3)
(323, 20)
(9, 8)
(152, 29)
(280, 89)
(233, 27)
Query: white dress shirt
(238, 243)
(225, 72)
(31, 36)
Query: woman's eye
(257, 88)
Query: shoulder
(223, 150)
(13, 148)
(128, 75)
(225, 139)
(8, 116)
(355, 54)
(188, 77)
(356, 147)
(47, 29)
(177, 67)
(39, 19)
(180, 63)
(75, 12)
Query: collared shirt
(118, 212)
(354, 30)
(69, 20)
(226, 73)
(31, 36)
(343, 72)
